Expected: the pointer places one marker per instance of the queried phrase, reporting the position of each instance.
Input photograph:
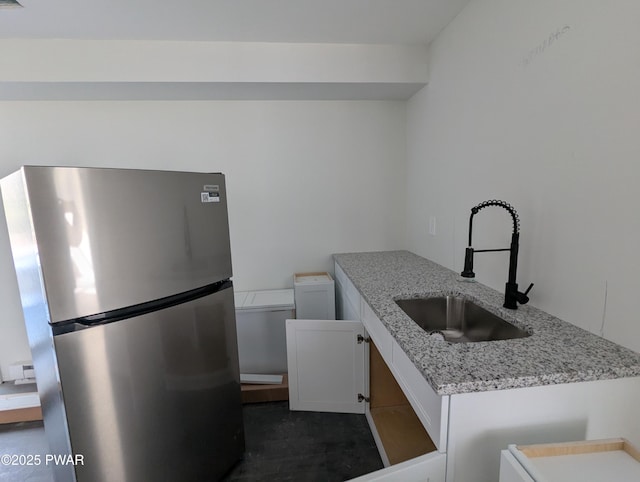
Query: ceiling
(332, 21)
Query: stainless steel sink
(458, 320)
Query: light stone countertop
(556, 352)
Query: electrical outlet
(432, 225)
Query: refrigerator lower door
(155, 397)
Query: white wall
(305, 179)
(536, 103)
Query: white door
(326, 365)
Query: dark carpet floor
(304, 446)
(280, 446)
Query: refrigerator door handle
(98, 319)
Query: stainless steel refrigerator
(124, 277)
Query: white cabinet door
(426, 468)
(326, 365)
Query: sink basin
(458, 320)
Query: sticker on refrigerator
(210, 194)
(210, 197)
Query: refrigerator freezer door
(102, 239)
(156, 397)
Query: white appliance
(262, 339)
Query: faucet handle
(522, 297)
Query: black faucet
(511, 295)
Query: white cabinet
(431, 408)
(511, 470)
(334, 367)
(583, 461)
(326, 365)
(467, 430)
(481, 424)
(426, 468)
(315, 296)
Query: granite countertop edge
(556, 352)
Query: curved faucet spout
(512, 295)
(498, 203)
